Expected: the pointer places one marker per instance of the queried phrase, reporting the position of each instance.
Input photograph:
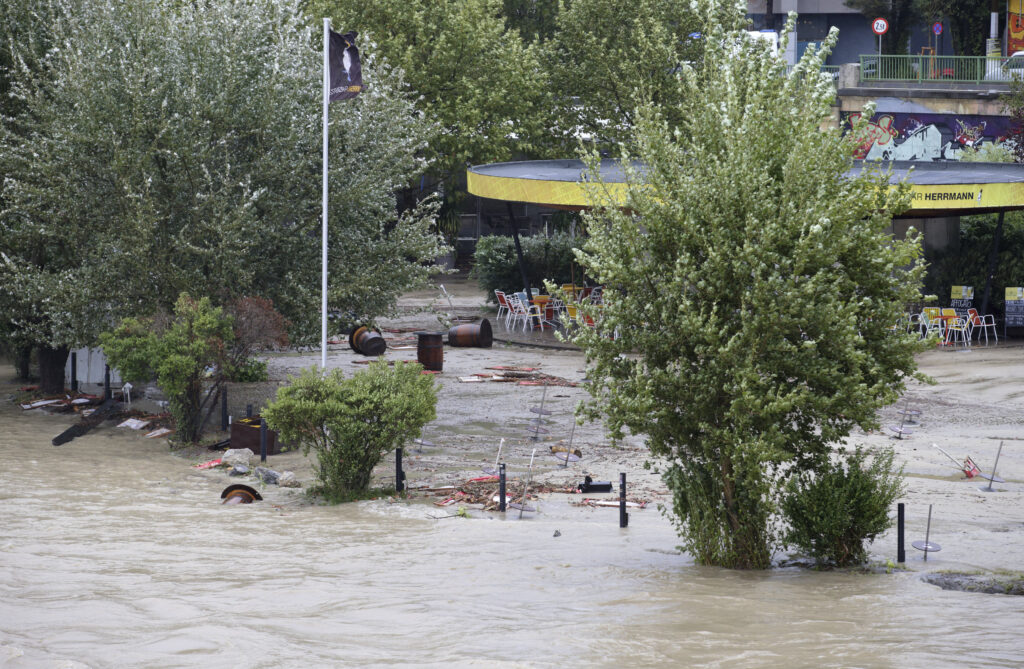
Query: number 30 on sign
(880, 26)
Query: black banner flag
(346, 72)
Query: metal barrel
(430, 350)
(366, 341)
(472, 334)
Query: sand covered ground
(975, 404)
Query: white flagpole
(323, 242)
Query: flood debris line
(523, 376)
(483, 491)
(970, 468)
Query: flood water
(115, 553)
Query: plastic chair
(930, 321)
(957, 331)
(520, 312)
(984, 322)
(502, 306)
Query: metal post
(74, 372)
(995, 466)
(248, 411)
(399, 474)
(901, 553)
(928, 533)
(263, 440)
(501, 487)
(106, 383)
(223, 409)
(623, 516)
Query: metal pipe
(623, 516)
(399, 474)
(74, 372)
(501, 487)
(901, 553)
(106, 383)
(263, 440)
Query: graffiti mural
(1015, 26)
(914, 136)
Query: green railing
(948, 69)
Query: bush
(351, 423)
(250, 370)
(180, 353)
(497, 268)
(835, 510)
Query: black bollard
(399, 474)
(501, 487)
(901, 553)
(248, 411)
(263, 440)
(74, 372)
(223, 409)
(623, 516)
(106, 383)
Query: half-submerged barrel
(430, 350)
(366, 341)
(472, 334)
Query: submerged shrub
(835, 511)
(352, 422)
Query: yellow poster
(1014, 294)
(1015, 25)
(962, 293)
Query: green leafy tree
(184, 353)
(968, 22)
(902, 16)
(749, 289)
(545, 259)
(837, 510)
(350, 423)
(534, 19)
(163, 147)
(607, 55)
(474, 77)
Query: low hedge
(546, 258)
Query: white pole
(323, 241)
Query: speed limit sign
(880, 26)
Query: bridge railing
(948, 69)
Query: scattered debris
(240, 493)
(134, 423)
(237, 456)
(267, 476)
(587, 501)
(159, 432)
(210, 464)
(288, 480)
(590, 485)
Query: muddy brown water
(115, 553)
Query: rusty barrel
(430, 350)
(366, 341)
(473, 334)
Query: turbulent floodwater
(114, 553)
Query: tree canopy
(750, 290)
(160, 147)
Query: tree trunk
(993, 259)
(22, 361)
(51, 369)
